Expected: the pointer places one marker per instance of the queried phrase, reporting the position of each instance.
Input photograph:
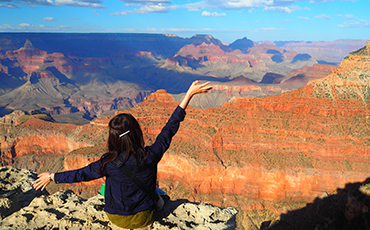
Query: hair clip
(121, 135)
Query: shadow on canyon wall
(346, 208)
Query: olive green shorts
(138, 220)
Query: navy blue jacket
(122, 196)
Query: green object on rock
(102, 189)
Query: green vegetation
(366, 187)
(41, 116)
(281, 161)
(348, 141)
(364, 51)
(190, 149)
(367, 142)
(89, 151)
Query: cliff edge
(24, 208)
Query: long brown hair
(131, 143)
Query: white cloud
(49, 19)
(284, 6)
(96, 12)
(214, 14)
(228, 4)
(147, 7)
(245, 3)
(279, 9)
(347, 16)
(71, 3)
(145, 2)
(26, 27)
(304, 18)
(323, 16)
(321, 1)
(163, 6)
(120, 13)
(266, 29)
(356, 24)
(9, 5)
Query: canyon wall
(262, 148)
(243, 87)
(87, 83)
(297, 145)
(290, 147)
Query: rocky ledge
(24, 208)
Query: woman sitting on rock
(126, 205)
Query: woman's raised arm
(195, 88)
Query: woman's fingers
(41, 182)
(202, 88)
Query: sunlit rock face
(210, 59)
(291, 147)
(295, 145)
(274, 84)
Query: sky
(226, 20)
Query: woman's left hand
(43, 180)
(195, 88)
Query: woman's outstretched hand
(195, 88)
(43, 180)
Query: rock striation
(294, 146)
(66, 210)
(212, 60)
(252, 153)
(243, 87)
(60, 84)
(326, 52)
(108, 72)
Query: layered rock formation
(66, 210)
(295, 146)
(242, 87)
(253, 153)
(62, 85)
(210, 59)
(81, 77)
(326, 52)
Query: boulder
(29, 209)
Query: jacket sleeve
(90, 172)
(163, 140)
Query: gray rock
(16, 189)
(182, 214)
(66, 210)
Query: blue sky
(227, 20)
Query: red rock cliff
(291, 147)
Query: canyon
(325, 52)
(279, 129)
(79, 77)
(264, 156)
